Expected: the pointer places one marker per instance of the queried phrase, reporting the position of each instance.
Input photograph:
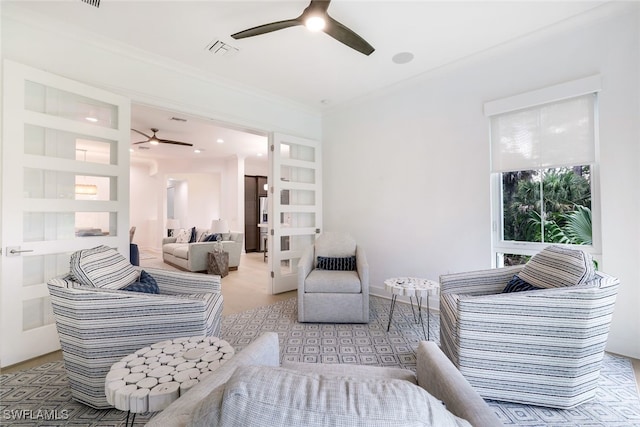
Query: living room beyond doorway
(242, 289)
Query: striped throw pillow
(516, 284)
(102, 267)
(343, 263)
(555, 267)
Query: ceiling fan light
(154, 142)
(315, 23)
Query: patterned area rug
(41, 396)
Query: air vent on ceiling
(95, 3)
(178, 119)
(220, 48)
(143, 148)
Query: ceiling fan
(316, 18)
(154, 140)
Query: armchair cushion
(102, 267)
(333, 244)
(555, 267)
(319, 281)
(337, 263)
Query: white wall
(407, 169)
(197, 198)
(144, 190)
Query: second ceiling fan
(154, 140)
(316, 18)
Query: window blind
(555, 134)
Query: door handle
(16, 251)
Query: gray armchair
(335, 293)
(539, 347)
(98, 326)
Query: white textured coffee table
(154, 376)
(412, 287)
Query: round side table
(412, 287)
(154, 376)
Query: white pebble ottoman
(153, 377)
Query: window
(544, 172)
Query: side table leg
(412, 310)
(393, 305)
(419, 300)
(428, 320)
(133, 419)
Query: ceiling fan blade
(267, 28)
(168, 141)
(141, 142)
(344, 35)
(141, 133)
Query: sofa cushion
(102, 267)
(146, 283)
(169, 248)
(329, 281)
(181, 251)
(337, 263)
(556, 266)
(259, 396)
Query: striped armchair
(542, 347)
(98, 326)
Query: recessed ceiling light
(220, 141)
(402, 57)
(131, 150)
(197, 151)
(259, 154)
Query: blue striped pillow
(102, 267)
(146, 284)
(516, 284)
(342, 263)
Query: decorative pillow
(343, 263)
(201, 234)
(516, 284)
(102, 267)
(288, 397)
(146, 283)
(555, 267)
(193, 236)
(212, 237)
(183, 236)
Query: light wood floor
(243, 289)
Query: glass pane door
(65, 187)
(296, 208)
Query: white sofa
(208, 402)
(193, 256)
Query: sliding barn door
(65, 186)
(295, 205)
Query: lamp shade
(173, 224)
(219, 226)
